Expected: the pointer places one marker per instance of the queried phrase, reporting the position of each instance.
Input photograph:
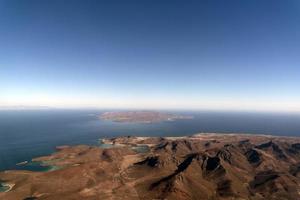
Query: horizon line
(42, 107)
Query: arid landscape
(203, 166)
(149, 100)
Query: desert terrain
(202, 166)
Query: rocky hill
(203, 166)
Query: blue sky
(210, 54)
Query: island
(206, 166)
(141, 116)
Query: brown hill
(204, 166)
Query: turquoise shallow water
(141, 149)
(3, 187)
(37, 166)
(28, 134)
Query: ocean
(26, 134)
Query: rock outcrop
(206, 166)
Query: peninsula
(202, 166)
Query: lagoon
(26, 134)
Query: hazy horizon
(164, 109)
(214, 55)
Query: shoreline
(136, 164)
(107, 143)
(9, 185)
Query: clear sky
(226, 54)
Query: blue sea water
(27, 134)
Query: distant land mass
(202, 166)
(141, 116)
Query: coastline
(8, 185)
(145, 165)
